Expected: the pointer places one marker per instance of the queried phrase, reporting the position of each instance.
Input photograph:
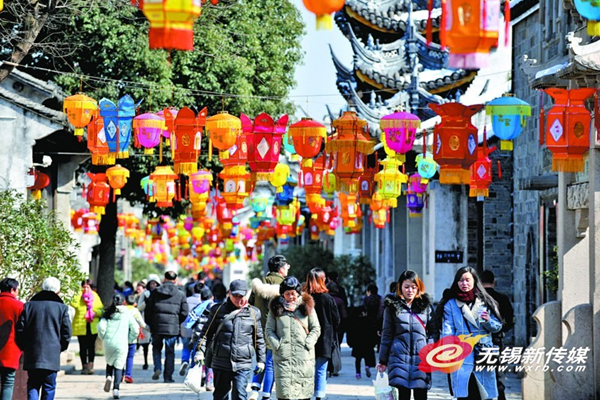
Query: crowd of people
(289, 330)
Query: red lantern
(481, 172)
(41, 181)
(308, 137)
(314, 227)
(264, 138)
(455, 141)
(366, 183)
(349, 148)
(98, 193)
(187, 141)
(96, 142)
(568, 128)
(237, 154)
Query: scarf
(89, 302)
(291, 306)
(466, 297)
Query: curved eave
(443, 85)
(431, 55)
(343, 72)
(384, 23)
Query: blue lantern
(117, 124)
(286, 196)
(590, 10)
(508, 118)
(415, 204)
(288, 145)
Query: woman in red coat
(10, 311)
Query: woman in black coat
(329, 319)
(408, 325)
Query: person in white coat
(117, 328)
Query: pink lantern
(148, 128)
(416, 184)
(201, 181)
(400, 130)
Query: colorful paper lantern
(91, 223)
(311, 179)
(223, 130)
(148, 188)
(590, 10)
(96, 142)
(568, 128)
(288, 146)
(455, 141)
(470, 28)
(350, 210)
(171, 22)
(279, 177)
(400, 131)
(236, 186)
(117, 178)
(349, 147)
(164, 189)
(426, 166)
(41, 181)
(323, 9)
(98, 193)
(79, 109)
(117, 124)
(481, 173)
(286, 196)
(389, 181)
(264, 136)
(416, 184)
(508, 118)
(237, 154)
(148, 130)
(186, 140)
(308, 137)
(380, 214)
(414, 204)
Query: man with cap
(228, 341)
(262, 294)
(166, 309)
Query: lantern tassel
(541, 122)
(568, 164)
(443, 26)
(455, 176)
(506, 22)
(324, 22)
(429, 27)
(499, 170)
(210, 149)
(476, 192)
(506, 145)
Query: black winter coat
(166, 309)
(237, 341)
(43, 331)
(329, 319)
(403, 336)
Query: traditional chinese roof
(32, 106)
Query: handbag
(336, 357)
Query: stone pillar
(64, 187)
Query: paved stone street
(344, 387)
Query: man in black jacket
(166, 309)
(43, 332)
(232, 335)
(488, 281)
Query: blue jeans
(43, 379)
(157, 345)
(266, 378)
(129, 364)
(186, 352)
(224, 380)
(321, 376)
(7, 379)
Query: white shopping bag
(383, 390)
(193, 379)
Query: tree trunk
(34, 23)
(106, 268)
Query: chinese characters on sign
(449, 256)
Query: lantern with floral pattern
(80, 109)
(117, 178)
(148, 129)
(400, 131)
(186, 140)
(308, 137)
(96, 142)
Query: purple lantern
(400, 130)
(416, 184)
(200, 181)
(148, 128)
(415, 204)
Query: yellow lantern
(80, 109)
(164, 185)
(223, 130)
(117, 178)
(236, 186)
(390, 181)
(279, 176)
(171, 23)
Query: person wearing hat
(166, 309)
(229, 340)
(117, 328)
(262, 293)
(292, 332)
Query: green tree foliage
(34, 245)
(304, 258)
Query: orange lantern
(366, 182)
(117, 178)
(455, 141)
(171, 22)
(237, 154)
(470, 28)
(198, 192)
(223, 131)
(164, 191)
(311, 178)
(98, 193)
(224, 217)
(264, 137)
(186, 139)
(236, 186)
(308, 137)
(96, 142)
(350, 209)
(481, 171)
(349, 148)
(323, 9)
(41, 181)
(568, 128)
(80, 109)
(313, 226)
(380, 214)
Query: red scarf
(466, 297)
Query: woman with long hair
(469, 310)
(329, 319)
(292, 331)
(88, 310)
(117, 328)
(408, 325)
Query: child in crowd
(137, 316)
